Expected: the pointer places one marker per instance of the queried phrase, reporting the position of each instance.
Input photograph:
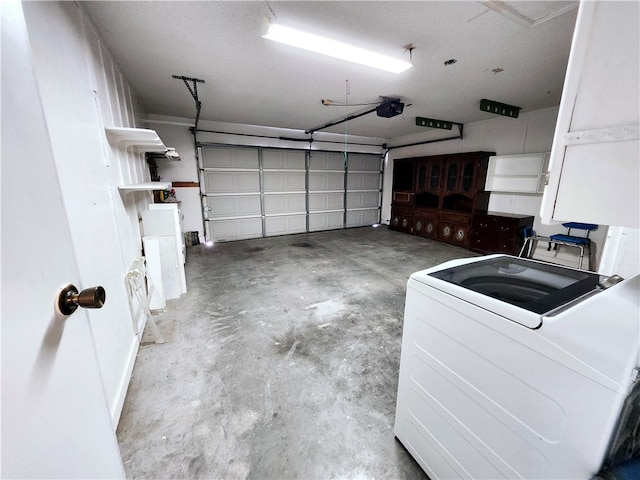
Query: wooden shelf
(145, 187)
(143, 139)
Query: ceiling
(511, 52)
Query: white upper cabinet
(517, 173)
(595, 158)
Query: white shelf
(143, 139)
(145, 187)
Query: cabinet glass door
(434, 178)
(452, 177)
(468, 176)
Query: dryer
(515, 368)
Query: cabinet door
(468, 177)
(452, 179)
(428, 176)
(401, 219)
(595, 157)
(425, 224)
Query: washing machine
(515, 368)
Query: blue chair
(566, 239)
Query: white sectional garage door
(251, 192)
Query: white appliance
(513, 368)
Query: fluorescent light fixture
(333, 48)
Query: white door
(55, 420)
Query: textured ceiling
(254, 81)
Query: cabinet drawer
(458, 218)
(487, 245)
(402, 197)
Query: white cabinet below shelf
(517, 173)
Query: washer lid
(534, 286)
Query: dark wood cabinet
(445, 193)
(401, 218)
(498, 232)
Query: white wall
(83, 91)
(531, 132)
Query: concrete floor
(281, 361)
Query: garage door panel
(234, 158)
(232, 182)
(325, 221)
(284, 203)
(360, 218)
(363, 199)
(233, 206)
(326, 161)
(364, 162)
(283, 225)
(236, 229)
(363, 181)
(283, 159)
(325, 181)
(325, 201)
(284, 181)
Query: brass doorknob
(69, 298)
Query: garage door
(253, 192)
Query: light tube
(333, 48)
